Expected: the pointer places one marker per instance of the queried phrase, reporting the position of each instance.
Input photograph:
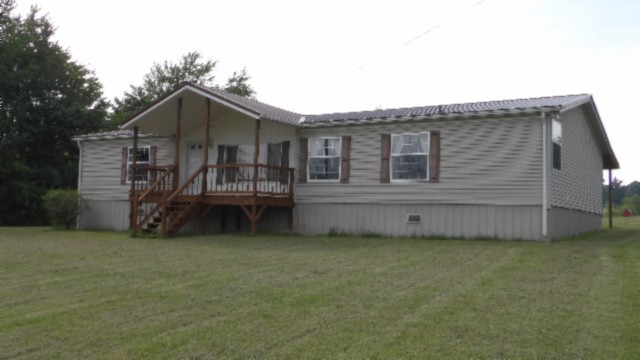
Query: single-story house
(200, 159)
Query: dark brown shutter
(123, 166)
(284, 162)
(220, 161)
(304, 155)
(274, 158)
(152, 162)
(152, 155)
(231, 157)
(385, 154)
(345, 157)
(434, 156)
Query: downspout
(545, 195)
(79, 177)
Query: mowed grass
(77, 294)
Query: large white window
(142, 158)
(410, 156)
(324, 158)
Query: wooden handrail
(158, 181)
(193, 176)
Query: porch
(158, 205)
(248, 173)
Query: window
(324, 158)
(556, 137)
(410, 156)
(142, 158)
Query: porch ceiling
(160, 117)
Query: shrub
(63, 206)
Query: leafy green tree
(632, 202)
(633, 188)
(164, 77)
(45, 100)
(618, 192)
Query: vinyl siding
(483, 162)
(460, 221)
(101, 164)
(578, 184)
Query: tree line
(47, 98)
(622, 196)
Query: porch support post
(133, 224)
(610, 199)
(256, 154)
(205, 147)
(176, 152)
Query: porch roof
(159, 117)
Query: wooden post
(205, 148)
(134, 198)
(610, 199)
(256, 154)
(176, 153)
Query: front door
(194, 161)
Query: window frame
(129, 165)
(310, 156)
(427, 155)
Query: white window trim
(309, 179)
(130, 163)
(426, 179)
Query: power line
(426, 32)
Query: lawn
(78, 294)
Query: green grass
(105, 295)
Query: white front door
(194, 159)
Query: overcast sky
(331, 56)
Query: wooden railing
(226, 179)
(239, 179)
(154, 178)
(157, 180)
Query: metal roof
(265, 110)
(109, 135)
(532, 104)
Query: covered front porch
(208, 124)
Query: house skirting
(105, 215)
(567, 222)
(459, 221)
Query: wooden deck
(158, 203)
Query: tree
(617, 192)
(45, 100)
(165, 77)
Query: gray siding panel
(566, 222)
(105, 214)
(483, 162)
(459, 221)
(578, 185)
(101, 162)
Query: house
(200, 159)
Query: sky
(326, 56)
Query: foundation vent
(414, 218)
